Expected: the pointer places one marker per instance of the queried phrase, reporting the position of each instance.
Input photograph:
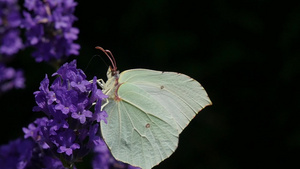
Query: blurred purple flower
(16, 154)
(26, 154)
(10, 20)
(49, 29)
(10, 78)
(10, 43)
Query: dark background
(244, 53)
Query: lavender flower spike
(71, 130)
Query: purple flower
(73, 77)
(10, 19)
(97, 96)
(16, 154)
(49, 29)
(10, 42)
(10, 78)
(81, 116)
(99, 115)
(25, 154)
(65, 142)
(34, 131)
(44, 97)
(66, 100)
(81, 85)
(96, 93)
(71, 130)
(93, 135)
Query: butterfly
(147, 110)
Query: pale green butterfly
(147, 110)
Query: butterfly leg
(103, 105)
(101, 83)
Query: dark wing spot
(147, 125)
(161, 87)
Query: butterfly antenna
(89, 63)
(110, 57)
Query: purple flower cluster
(10, 44)
(17, 153)
(70, 130)
(10, 78)
(26, 154)
(10, 20)
(104, 160)
(49, 29)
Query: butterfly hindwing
(152, 110)
(137, 131)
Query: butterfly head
(112, 70)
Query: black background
(244, 53)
